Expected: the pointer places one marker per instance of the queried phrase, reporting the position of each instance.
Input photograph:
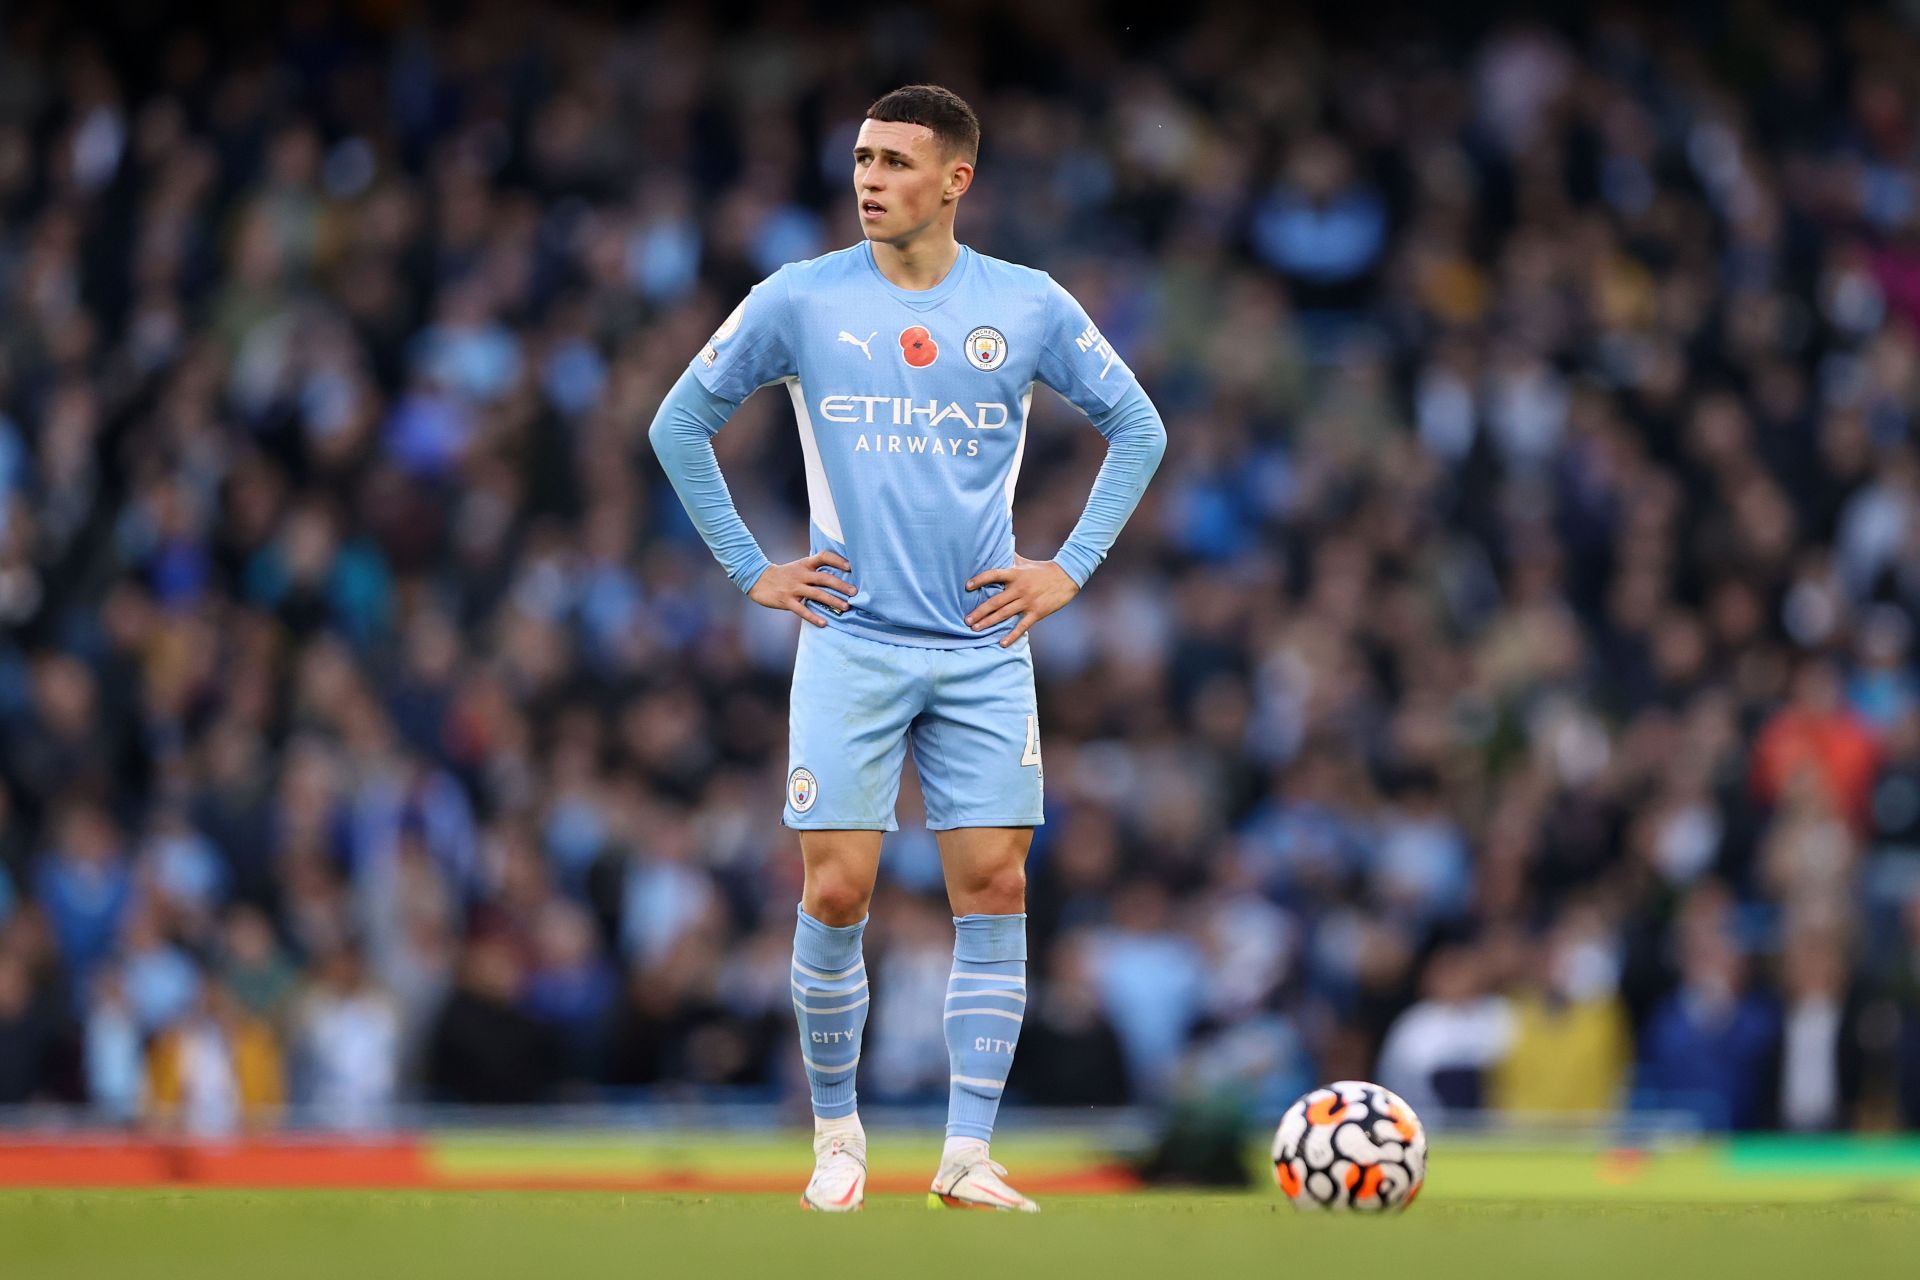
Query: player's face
(902, 180)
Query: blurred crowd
(1507, 689)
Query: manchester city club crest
(986, 348)
(802, 790)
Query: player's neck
(918, 264)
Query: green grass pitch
(1753, 1208)
(296, 1235)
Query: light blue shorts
(970, 713)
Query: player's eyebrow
(888, 152)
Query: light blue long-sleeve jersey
(912, 410)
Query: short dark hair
(945, 112)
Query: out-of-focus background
(1507, 690)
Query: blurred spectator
(85, 888)
(1150, 979)
(344, 1040)
(182, 870)
(1821, 1049)
(1906, 984)
(907, 1043)
(116, 1067)
(1421, 869)
(256, 970)
(160, 981)
(1707, 1047)
(1439, 1054)
(688, 1021)
(571, 987)
(61, 739)
(1070, 1055)
(485, 1048)
(1571, 1050)
(1322, 227)
(1818, 733)
(27, 1031)
(215, 1072)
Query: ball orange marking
(1327, 1107)
(1288, 1177)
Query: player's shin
(830, 1003)
(986, 1000)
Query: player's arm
(1136, 441)
(1080, 365)
(748, 350)
(682, 437)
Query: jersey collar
(921, 299)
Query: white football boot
(839, 1182)
(969, 1180)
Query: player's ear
(959, 178)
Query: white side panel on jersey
(1019, 447)
(819, 497)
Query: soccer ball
(1350, 1146)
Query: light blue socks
(830, 1001)
(986, 1000)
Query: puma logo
(853, 341)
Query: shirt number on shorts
(1032, 754)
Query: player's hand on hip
(1032, 588)
(789, 586)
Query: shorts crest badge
(803, 789)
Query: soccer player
(910, 360)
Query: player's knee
(1002, 891)
(836, 902)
